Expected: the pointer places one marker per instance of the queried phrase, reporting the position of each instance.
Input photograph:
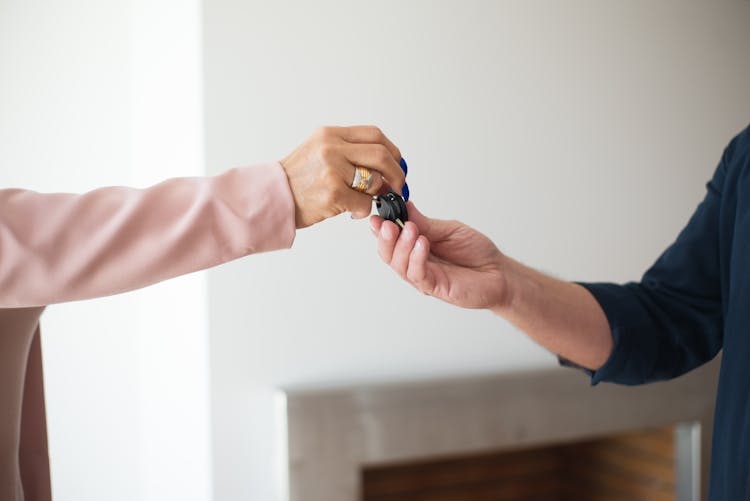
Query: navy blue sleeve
(671, 321)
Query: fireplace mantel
(332, 433)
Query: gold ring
(362, 179)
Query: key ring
(392, 207)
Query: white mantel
(333, 433)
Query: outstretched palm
(448, 260)
(463, 269)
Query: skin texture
(321, 171)
(459, 265)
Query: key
(392, 207)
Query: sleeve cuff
(259, 197)
(620, 306)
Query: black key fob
(392, 207)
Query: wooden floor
(634, 467)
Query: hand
(444, 259)
(321, 172)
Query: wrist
(512, 287)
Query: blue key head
(405, 189)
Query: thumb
(433, 229)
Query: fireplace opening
(633, 466)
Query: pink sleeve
(64, 247)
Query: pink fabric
(64, 247)
(17, 329)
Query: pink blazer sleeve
(64, 247)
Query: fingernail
(403, 165)
(405, 192)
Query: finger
(422, 221)
(376, 222)
(433, 229)
(369, 134)
(378, 158)
(376, 181)
(387, 241)
(359, 204)
(404, 246)
(416, 272)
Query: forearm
(561, 316)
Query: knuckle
(327, 152)
(325, 132)
(382, 155)
(377, 183)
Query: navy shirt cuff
(621, 307)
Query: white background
(578, 135)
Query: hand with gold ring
(338, 170)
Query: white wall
(95, 93)
(577, 134)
